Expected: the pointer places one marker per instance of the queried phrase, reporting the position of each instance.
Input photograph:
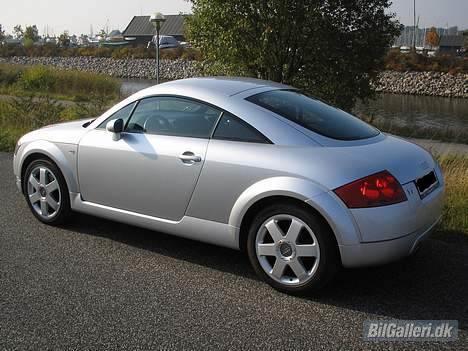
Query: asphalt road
(95, 284)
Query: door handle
(190, 157)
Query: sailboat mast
(414, 24)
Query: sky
(438, 13)
(78, 16)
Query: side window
(232, 128)
(146, 109)
(173, 116)
(123, 113)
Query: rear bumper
(400, 220)
(414, 220)
(381, 252)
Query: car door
(154, 167)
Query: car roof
(228, 94)
(215, 86)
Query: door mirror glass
(115, 127)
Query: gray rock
(423, 83)
(416, 83)
(125, 68)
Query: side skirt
(221, 234)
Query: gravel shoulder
(96, 284)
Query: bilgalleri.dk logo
(410, 330)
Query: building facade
(140, 30)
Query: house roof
(451, 40)
(141, 26)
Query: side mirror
(115, 127)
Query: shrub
(134, 53)
(191, 54)
(37, 78)
(68, 83)
(20, 115)
(397, 61)
(9, 74)
(60, 84)
(28, 43)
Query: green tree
(332, 49)
(64, 40)
(18, 31)
(2, 33)
(102, 33)
(28, 43)
(31, 33)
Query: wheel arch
(266, 201)
(307, 194)
(46, 150)
(279, 189)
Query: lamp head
(157, 17)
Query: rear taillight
(379, 189)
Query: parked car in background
(165, 42)
(301, 186)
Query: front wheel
(46, 192)
(292, 249)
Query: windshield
(314, 115)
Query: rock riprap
(414, 83)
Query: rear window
(314, 115)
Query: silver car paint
(145, 172)
(246, 164)
(233, 175)
(62, 154)
(221, 234)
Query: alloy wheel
(287, 249)
(44, 192)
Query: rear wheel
(46, 192)
(292, 249)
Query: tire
(300, 258)
(44, 188)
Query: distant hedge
(394, 60)
(397, 61)
(52, 50)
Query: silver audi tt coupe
(302, 187)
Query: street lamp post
(157, 19)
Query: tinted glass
(168, 40)
(314, 115)
(123, 114)
(173, 116)
(232, 128)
